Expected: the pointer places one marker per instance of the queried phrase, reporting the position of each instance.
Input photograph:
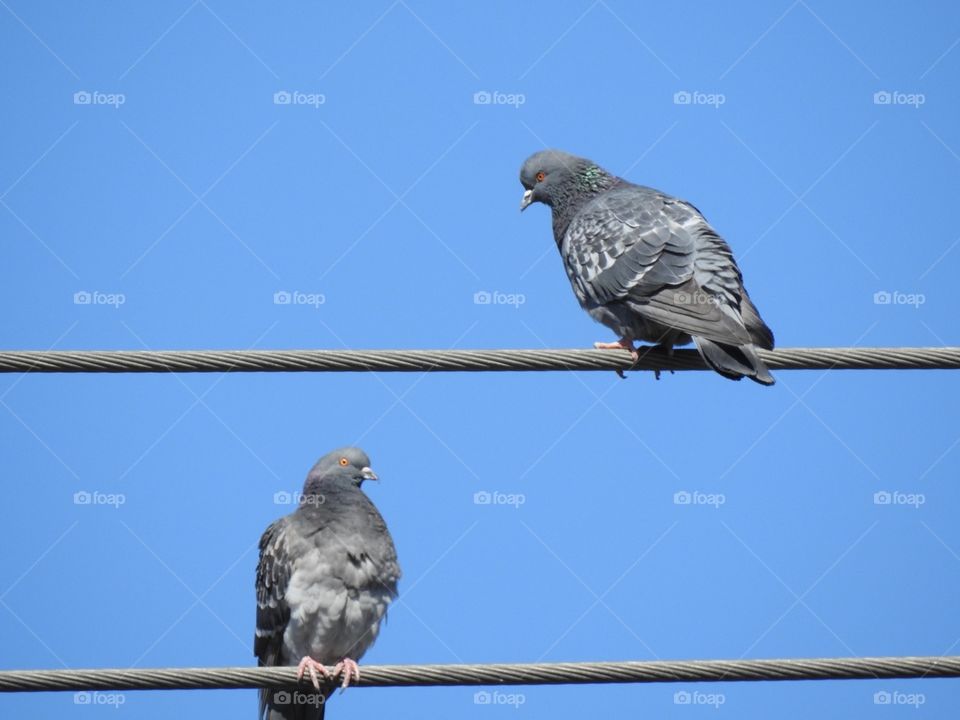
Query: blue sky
(182, 198)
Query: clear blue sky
(183, 190)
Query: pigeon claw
(349, 670)
(308, 664)
(621, 344)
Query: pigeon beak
(368, 474)
(527, 199)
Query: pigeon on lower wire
(326, 574)
(648, 265)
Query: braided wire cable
(137, 361)
(665, 671)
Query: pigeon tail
(734, 361)
(291, 704)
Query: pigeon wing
(273, 612)
(656, 254)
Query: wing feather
(273, 612)
(658, 255)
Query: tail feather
(734, 361)
(760, 333)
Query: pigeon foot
(621, 344)
(349, 670)
(308, 664)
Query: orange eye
(344, 462)
(541, 176)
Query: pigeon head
(344, 466)
(554, 177)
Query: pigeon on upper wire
(326, 574)
(648, 265)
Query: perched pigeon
(326, 574)
(648, 265)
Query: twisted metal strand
(495, 674)
(655, 359)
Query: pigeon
(648, 265)
(327, 573)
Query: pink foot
(621, 344)
(349, 669)
(308, 664)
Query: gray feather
(325, 577)
(648, 265)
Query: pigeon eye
(541, 176)
(344, 462)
